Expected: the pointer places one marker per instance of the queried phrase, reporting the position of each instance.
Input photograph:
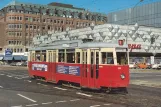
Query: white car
(132, 65)
(156, 66)
(19, 63)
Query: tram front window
(107, 58)
(122, 58)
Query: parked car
(156, 66)
(19, 63)
(132, 65)
(142, 65)
(24, 64)
(13, 64)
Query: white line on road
(26, 98)
(84, 94)
(1, 74)
(42, 84)
(75, 100)
(17, 106)
(18, 78)
(60, 88)
(31, 105)
(28, 80)
(95, 106)
(1, 86)
(47, 103)
(107, 104)
(60, 101)
(9, 76)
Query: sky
(103, 6)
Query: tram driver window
(107, 58)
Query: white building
(137, 37)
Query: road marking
(42, 84)
(84, 94)
(17, 106)
(31, 105)
(1, 86)
(60, 88)
(47, 103)
(75, 100)
(29, 81)
(26, 98)
(60, 101)
(1, 74)
(107, 104)
(9, 76)
(18, 78)
(95, 106)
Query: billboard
(8, 53)
(71, 70)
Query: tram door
(94, 67)
(52, 64)
(84, 72)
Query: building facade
(138, 38)
(21, 21)
(145, 15)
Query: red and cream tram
(93, 65)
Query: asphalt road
(150, 78)
(18, 90)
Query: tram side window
(78, 57)
(107, 58)
(43, 56)
(38, 56)
(70, 55)
(61, 55)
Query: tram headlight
(122, 76)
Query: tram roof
(78, 44)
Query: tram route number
(71, 70)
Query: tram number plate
(71, 70)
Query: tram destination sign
(71, 70)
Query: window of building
(43, 27)
(14, 50)
(44, 20)
(62, 21)
(21, 50)
(31, 26)
(34, 27)
(20, 18)
(26, 18)
(27, 26)
(18, 34)
(107, 58)
(54, 21)
(18, 50)
(49, 27)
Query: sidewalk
(144, 70)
